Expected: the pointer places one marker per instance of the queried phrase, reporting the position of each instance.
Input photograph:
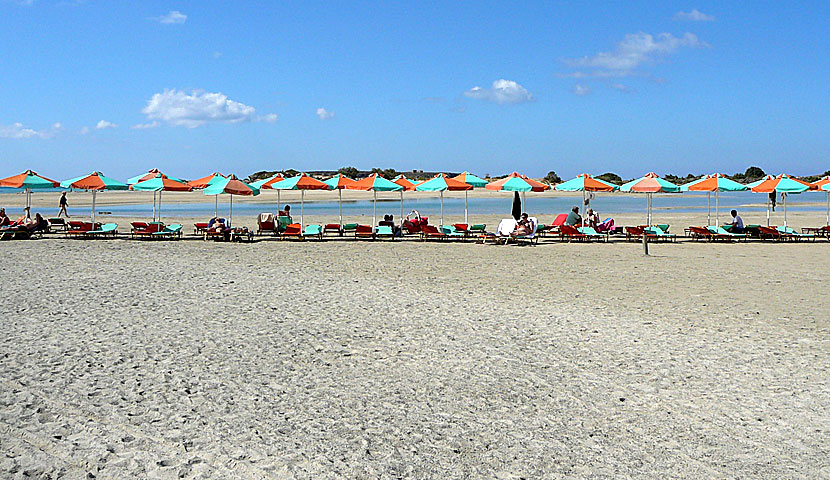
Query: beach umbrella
(29, 181)
(157, 184)
(516, 182)
(205, 182)
(408, 186)
(823, 184)
(94, 182)
(268, 184)
(151, 174)
(301, 182)
(585, 183)
(375, 184)
(440, 183)
(232, 186)
(339, 182)
(473, 181)
(713, 183)
(649, 184)
(782, 184)
(770, 197)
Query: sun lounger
(451, 232)
(530, 237)
(283, 221)
(432, 232)
(557, 222)
(170, 231)
(147, 230)
(723, 233)
(364, 231)
(294, 230)
(313, 231)
(571, 233)
(333, 228)
(478, 228)
(656, 233)
(81, 228)
(266, 224)
(200, 228)
(462, 228)
(790, 233)
(349, 228)
(590, 232)
(105, 230)
(385, 231)
(697, 233)
(769, 233)
(56, 224)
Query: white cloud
(502, 92)
(175, 17)
(269, 118)
(176, 107)
(582, 90)
(103, 124)
(694, 16)
(17, 130)
(145, 126)
(633, 51)
(621, 88)
(324, 114)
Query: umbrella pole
(302, 208)
(717, 208)
(340, 198)
(442, 208)
(828, 208)
(159, 206)
(29, 199)
(154, 206)
(768, 207)
(230, 215)
(216, 206)
(466, 222)
(584, 211)
(93, 209)
(708, 208)
(279, 204)
(375, 209)
(402, 208)
(785, 210)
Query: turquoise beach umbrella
(713, 183)
(473, 181)
(649, 184)
(301, 182)
(585, 183)
(94, 181)
(232, 186)
(375, 184)
(29, 181)
(440, 184)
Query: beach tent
(649, 184)
(823, 184)
(585, 183)
(94, 182)
(782, 184)
(232, 186)
(205, 182)
(713, 183)
(29, 181)
(440, 183)
(301, 182)
(268, 184)
(375, 184)
(157, 184)
(408, 186)
(339, 182)
(473, 181)
(516, 182)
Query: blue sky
(490, 87)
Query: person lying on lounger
(523, 226)
(217, 224)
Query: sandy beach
(344, 359)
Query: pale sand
(343, 359)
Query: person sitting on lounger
(573, 218)
(592, 218)
(737, 223)
(4, 219)
(217, 224)
(523, 227)
(285, 212)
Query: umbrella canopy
(158, 184)
(471, 180)
(375, 184)
(713, 183)
(407, 184)
(516, 182)
(205, 182)
(268, 183)
(152, 173)
(585, 183)
(782, 184)
(232, 186)
(339, 182)
(441, 183)
(94, 181)
(301, 182)
(650, 183)
(29, 181)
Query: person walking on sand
(63, 204)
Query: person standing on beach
(63, 204)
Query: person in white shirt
(737, 223)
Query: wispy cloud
(635, 50)
(103, 124)
(176, 107)
(582, 90)
(621, 87)
(694, 16)
(175, 17)
(18, 130)
(502, 92)
(324, 114)
(145, 126)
